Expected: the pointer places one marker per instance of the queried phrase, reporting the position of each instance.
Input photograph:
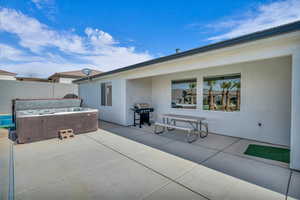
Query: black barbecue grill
(141, 114)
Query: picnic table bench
(193, 132)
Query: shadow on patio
(222, 153)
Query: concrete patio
(129, 163)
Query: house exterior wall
(285, 45)
(5, 77)
(124, 94)
(295, 121)
(91, 94)
(137, 91)
(265, 98)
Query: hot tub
(50, 116)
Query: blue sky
(40, 37)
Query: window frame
(222, 77)
(104, 94)
(186, 80)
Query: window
(106, 94)
(184, 94)
(222, 93)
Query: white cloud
(10, 53)
(35, 35)
(98, 37)
(61, 49)
(262, 17)
(43, 3)
(116, 57)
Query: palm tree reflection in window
(222, 93)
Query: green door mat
(267, 152)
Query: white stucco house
(266, 65)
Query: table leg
(158, 132)
(200, 126)
(134, 120)
(198, 130)
(204, 133)
(170, 122)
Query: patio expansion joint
(156, 189)
(153, 170)
(168, 183)
(221, 150)
(288, 185)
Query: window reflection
(222, 93)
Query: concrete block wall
(10, 89)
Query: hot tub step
(66, 133)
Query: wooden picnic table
(195, 122)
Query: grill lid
(141, 105)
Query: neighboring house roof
(73, 74)
(287, 28)
(2, 72)
(32, 79)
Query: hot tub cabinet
(35, 128)
(40, 124)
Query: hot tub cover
(35, 104)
